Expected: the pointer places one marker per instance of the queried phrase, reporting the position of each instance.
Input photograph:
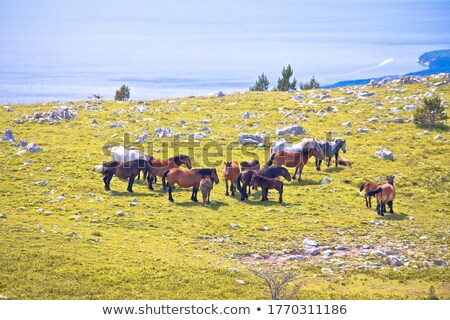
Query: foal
(266, 184)
(206, 185)
(230, 173)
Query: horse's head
(390, 180)
(285, 174)
(227, 164)
(344, 146)
(214, 176)
(317, 152)
(185, 160)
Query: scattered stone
(366, 94)
(440, 263)
(328, 252)
(23, 143)
(42, 183)
(94, 121)
(374, 119)
(48, 213)
(120, 214)
(426, 132)
(362, 130)
(239, 281)
(423, 238)
(199, 135)
(220, 94)
(311, 243)
(325, 180)
(60, 113)
(8, 136)
(293, 130)
(313, 251)
(298, 97)
(384, 154)
(3, 215)
(233, 270)
(246, 115)
(346, 124)
(183, 122)
(296, 257)
(48, 169)
(31, 147)
(234, 225)
(61, 198)
(341, 248)
(394, 261)
(141, 109)
(409, 108)
(205, 121)
(331, 109)
(248, 138)
(437, 137)
(116, 126)
(380, 253)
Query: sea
(68, 50)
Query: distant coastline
(437, 61)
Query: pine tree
(313, 84)
(431, 112)
(284, 83)
(262, 84)
(122, 94)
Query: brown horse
(161, 166)
(250, 165)
(385, 194)
(295, 159)
(206, 185)
(187, 179)
(268, 172)
(230, 173)
(368, 186)
(125, 170)
(266, 184)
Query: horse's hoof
(171, 200)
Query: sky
(60, 46)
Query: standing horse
(305, 144)
(266, 184)
(268, 172)
(294, 159)
(206, 186)
(161, 166)
(368, 186)
(187, 179)
(331, 149)
(385, 194)
(230, 173)
(124, 170)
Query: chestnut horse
(187, 179)
(125, 170)
(266, 184)
(230, 173)
(268, 172)
(385, 194)
(295, 159)
(161, 166)
(368, 186)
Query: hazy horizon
(67, 50)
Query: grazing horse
(161, 166)
(368, 186)
(124, 170)
(187, 179)
(250, 165)
(230, 173)
(385, 194)
(206, 186)
(266, 184)
(331, 149)
(294, 159)
(268, 172)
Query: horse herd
(242, 176)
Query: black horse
(331, 149)
(268, 172)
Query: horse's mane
(307, 143)
(111, 164)
(205, 171)
(179, 157)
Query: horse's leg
(233, 187)
(391, 206)
(336, 156)
(170, 193)
(295, 173)
(280, 191)
(226, 188)
(149, 181)
(105, 180)
(130, 183)
(194, 194)
(317, 164)
(299, 169)
(329, 162)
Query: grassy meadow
(64, 239)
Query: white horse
(121, 154)
(306, 143)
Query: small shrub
(284, 83)
(432, 294)
(277, 282)
(122, 94)
(431, 112)
(312, 84)
(262, 84)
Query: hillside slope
(65, 237)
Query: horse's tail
(238, 182)
(361, 187)
(164, 176)
(374, 192)
(270, 162)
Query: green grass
(163, 250)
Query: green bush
(262, 84)
(312, 84)
(284, 83)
